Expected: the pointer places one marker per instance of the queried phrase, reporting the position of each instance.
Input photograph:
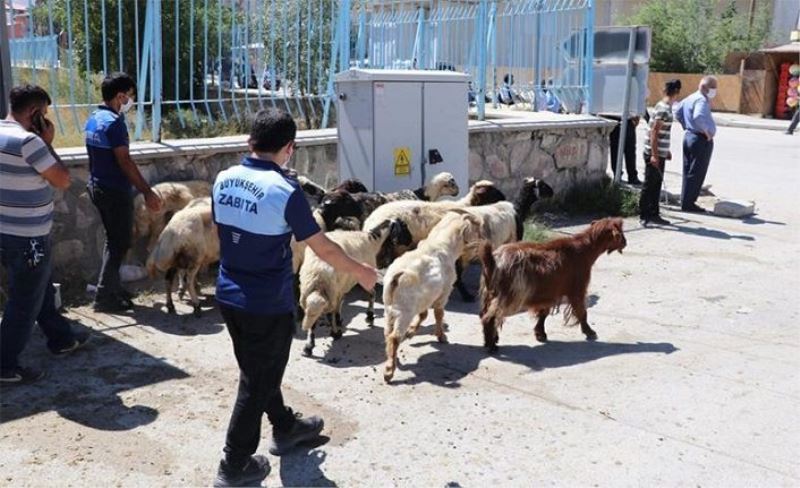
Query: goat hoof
(492, 349)
(591, 335)
(308, 351)
(387, 376)
(197, 311)
(442, 339)
(370, 319)
(336, 335)
(171, 309)
(541, 337)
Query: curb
(751, 125)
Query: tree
(694, 36)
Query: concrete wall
(562, 149)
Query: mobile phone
(38, 123)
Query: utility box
(397, 129)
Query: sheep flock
(422, 238)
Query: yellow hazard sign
(402, 161)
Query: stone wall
(574, 150)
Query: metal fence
(203, 66)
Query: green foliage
(694, 36)
(602, 199)
(536, 232)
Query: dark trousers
(696, 156)
(629, 149)
(31, 298)
(261, 344)
(651, 190)
(116, 212)
(794, 122)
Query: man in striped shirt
(654, 160)
(29, 168)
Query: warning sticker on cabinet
(402, 161)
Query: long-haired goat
(322, 289)
(188, 243)
(174, 196)
(423, 279)
(536, 277)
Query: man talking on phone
(113, 172)
(29, 169)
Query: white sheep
(322, 289)
(421, 217)
(188, 243)
(423, 279)
(501, 223)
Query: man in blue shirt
(694, 115)
(258, 207)
(112, 174)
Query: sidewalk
(749, 122)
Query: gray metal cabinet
(399, 128)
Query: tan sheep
(175, 196)
(322, 289)
(188, 243)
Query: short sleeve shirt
(258, 208)
(662, 112)
(106, 130)
(26, 198)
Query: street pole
(5, 63)
(626, 103)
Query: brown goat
(536, 277)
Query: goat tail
(488, 262)
(394, 283)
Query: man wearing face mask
(258, 206)
(694, 115)
(112, 174)
(29, 169)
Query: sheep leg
(459, 284)
(579, 309)
(308, 348)
(538, 331)
(169, 279)
(181, 285)
(371, 310)
(392, 336)
(314, 310)
(438, 315)
(191, 283)
(412, 330)
(337, 326)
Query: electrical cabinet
(397, 129)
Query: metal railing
(203, 66)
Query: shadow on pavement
(85, 386)
(303, 466)
(452, 362)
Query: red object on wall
(781, 109)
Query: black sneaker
(303, 430)
(252, 473)
(79, 339)
(659, 220)
(644, 222)
(635, 181)
(694, 208)
(20, 376)
(113, 304)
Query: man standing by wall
(112, 174)
(694, 115)
(28, 169)
(258, 207)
